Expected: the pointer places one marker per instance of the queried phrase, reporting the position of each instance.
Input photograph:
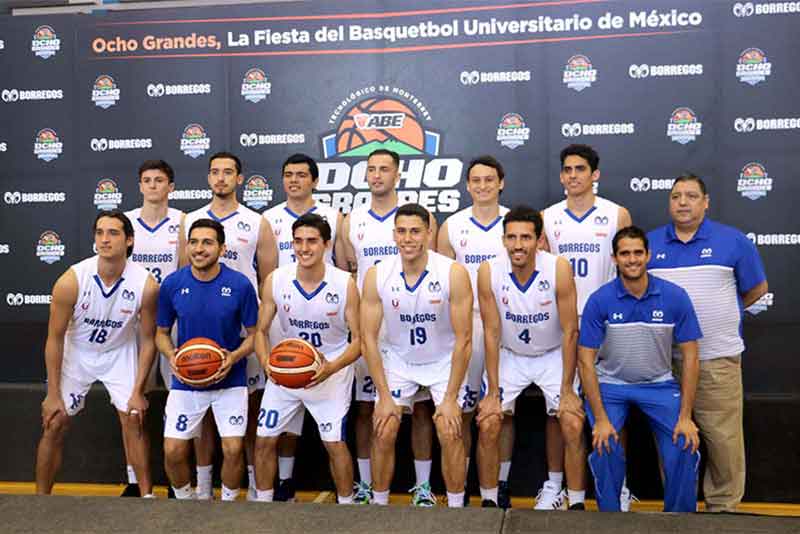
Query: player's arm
(690, 369)
(348, 261)
(266, 313)
(443, 245)
(248, 310)
(623, 218)
(137, 404)
(566, 300)
(434, 232)
(266, 249)
(183, 256)
(491, 404)
(338, 247)
(64, 297)
(353, 350)
(603, 431)
(755, 293)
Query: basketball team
(449, 325)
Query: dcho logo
(512, 131)
(257, 192)
(194, 141)
(47, 145)
(45, 42)
(107, 196)
(50, 249)
(255, 86)
(754, 182)
(683, 126)
(105, 92)
(579, 73)
(753, 66)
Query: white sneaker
(625, 499)
(252, 496)
(551, 497)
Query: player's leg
(229, 407)
(453, 471)
(422, 448)
(134, 435)
(183, 419)
(253, 403)
(341, 464)
(489, 458)
(608, 467)
(469, 401)
(507, 437)
(364, 396)
(205, 443)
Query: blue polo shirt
(635, 335)
(715, 267)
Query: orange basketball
(198, 360)
(379, 119)
(293, 362)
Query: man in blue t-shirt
(208, 299)
(627, 331)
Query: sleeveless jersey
(372, 238)
(417, 319)
(281, 218)
(105, 318)
(156, 248)
(474, 243)
(585, 242)
(529, 313)
(318, 317)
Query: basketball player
(207, 299)
(425, 300)
(579, 228)
(96, 308)
(250, 250)
(315, 301)
(368, 239)
(471, 236)
(300, 177)
(156, 249)
(527, 302)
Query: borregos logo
(45, 43)
(105, 92)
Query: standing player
(207, 299)
(91, 336)
(300, 177)
(315, 301)
(250, 250)
(367, 237)
(425, 300)
(472, 236)
(527, 302)
(579, 228)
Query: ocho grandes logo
(255, 86)
(194, 141)
(512, 131)
(683, 126)
(45, 43)
(579, 73)
(753, 67)
(49, 248)
(754, 183)
(105, 92)
(47, 146)
(257, 193)
(107, 195)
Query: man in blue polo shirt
(723, 274)
(208, 299)
(627, 331)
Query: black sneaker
(466, 496)
(488, 503)
(285, 490)
(170, 492)
(503, 495)
(131, 490)
(578, 506)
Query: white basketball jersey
(156, 248)
(281, 219)
(318, 317)
(241, 238)
(372, 237)
(585, 242)
(105, 318)
(417, 318)
(529, 313)
(474, 243)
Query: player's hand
(225, 368)
(52, 405)
(137, 405)
(569, 402)
(450, 414)
(172, 363)
(323, 373)
(385, 409)
(686, 428)
(489, 406)
(602, 433)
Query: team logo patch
(194, 141)
(45, 42)
(257, 192)
(579, 73)
(255, 86)
(47, 146)
(753, 67)
(49, 248)
(107, 195)
(512, 131)
(105, 92)
(754, 183)
(543, 285)
(683, 126)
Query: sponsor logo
(190, 194)
(102, 144)
(254, 139)
(236, 420)
(255, 86)
(3, 146)
(754, 182)
(45, 42)
(543, 285)
(21, 299)
(194, 141)
(683, 126)
(645, 183)
(638, 72)
(156, 90)
(774, 239)
(15, 197)
(579, 73)
(749, 124)
(127, 294)
(615, 128)
(600, 221)
(475, 77)
(763, 304)
(5, 248)
(332, 298)
(512, 131)
(616, 316)
(706, 253)
(13, 95)
(47, 146)
(658, 316)
(49, 248)
(325, 427)
(107, 195)
(661, 256)
(748, 9)
(434, 287)
(105, 92)
(2, 44)
(257, 193)
(225, 291)
(753, 67)
(184, 291)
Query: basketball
(293, 362)
(379, 120)
(198, 360)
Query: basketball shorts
(364, 385)
(185, 410)
(406, 379)
(115, 368)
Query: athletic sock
(556, 477)
(204, 489)
(285, 467)
(364, 470)
(265, 495)
(489, 494)
(184, 492)
(345, 500)
(131, 475)
(422, 468)
(229, 494)
(505, 469)
(380, 497)
(575, 497)
(455, 500)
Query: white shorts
(405, 379)
(475, 370)
(116, 369)
(364, 386)
(185, 410)
(256, 379)
(517, 372)
(327, 402)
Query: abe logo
(128, 295)
(332, 298)
(743, 9)
(246, 139)
(658, 315)
(236, 420)
(470, 77)
(155, 90)
(744, 125)
(15, 299)
(5, 248)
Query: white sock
(184, 492)
(624, 482)
(556, 478)
(285, 467)
(264, 495)
(131, 475)
(229, 494)
(505, 469)
(575, 497)
(489, 494)
(455, 500)
(251, 476)
(204, 489)
(423, 470)
(345, 500)
(364, 470)
(380, 497)
(148, 496)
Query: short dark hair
(127, 226)
(412, 210)
(210, 223)
(629, 232)
(690, 177)
(584, 151)
(314, 221)
(295, 159)
(157, 165)
(489, 161)
(226, 155)
(386, 152)
(524, 214)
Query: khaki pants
(718, 413)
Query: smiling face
(203, 248)
(484, 185)
(631, 258)
(298, 181)
(577, 176)
(382, 175)
(411, 235)
(309, 247)
(520, 241)
(687, 203)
